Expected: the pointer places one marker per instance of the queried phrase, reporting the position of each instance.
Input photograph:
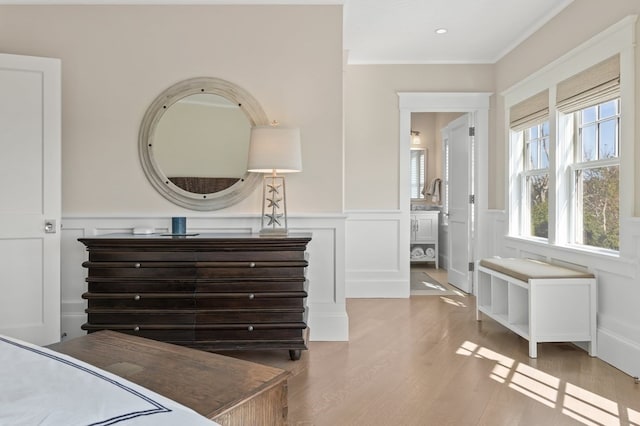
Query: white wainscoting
(328, 320)
(618, 335)
(377, 254)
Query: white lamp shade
(274, 148)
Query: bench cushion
(526, 269)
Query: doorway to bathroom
(441, 218)
(455, 179)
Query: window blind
(596, 84)
(531, 111)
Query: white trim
(375, 255)
(443, 101)
(471, 102)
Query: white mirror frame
(159, 180)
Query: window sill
(568, 248)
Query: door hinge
(471, 267)
(472, 199)
(472, 131)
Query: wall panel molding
(377, 255)
(328, 318)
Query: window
(578, 164)
(571, 144)
(529, 121)
(596, 176)
(418, 172)
(536, 181)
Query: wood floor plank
(426, 361)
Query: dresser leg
(295, 354)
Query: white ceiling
(403, 31)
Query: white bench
(539, 301)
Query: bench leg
(533, 349)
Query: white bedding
(41, 387)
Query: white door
(30, 197)
(459, 191)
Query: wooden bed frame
(224, 389)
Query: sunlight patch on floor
(580, 404)
(453, 302)
(634, 417)
(535, 384)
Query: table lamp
(274, 150)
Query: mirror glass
(194, 143)
(202, 143)
(418, 161)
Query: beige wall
(576, 24)
(372, 122)
(117, 59)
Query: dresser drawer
(140, 300)
(253, 332)
(169, 334)
(140, 270)
(123, 285)
(250, 270)
(256, 285)
(249, 316)
(249, 300)
(104, 316)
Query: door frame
(476, 103)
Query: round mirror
(194, 142)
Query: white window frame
(577, 165)
(525, 215)
(618, 39)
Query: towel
(433, 190)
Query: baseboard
(619, 352)
(363, 289)
(72, 324)
(328, 326)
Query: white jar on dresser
(424, 237)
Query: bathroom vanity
(424, 236)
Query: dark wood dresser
(207, 291)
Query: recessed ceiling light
(441, 31)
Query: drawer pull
(137, 265)
(136, 328)
(136, 297)
(250, 328)
(251, 296)
(252, 265)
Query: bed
(109, 378)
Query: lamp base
(270, 232)
(274, 206)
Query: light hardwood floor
(427, 361)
